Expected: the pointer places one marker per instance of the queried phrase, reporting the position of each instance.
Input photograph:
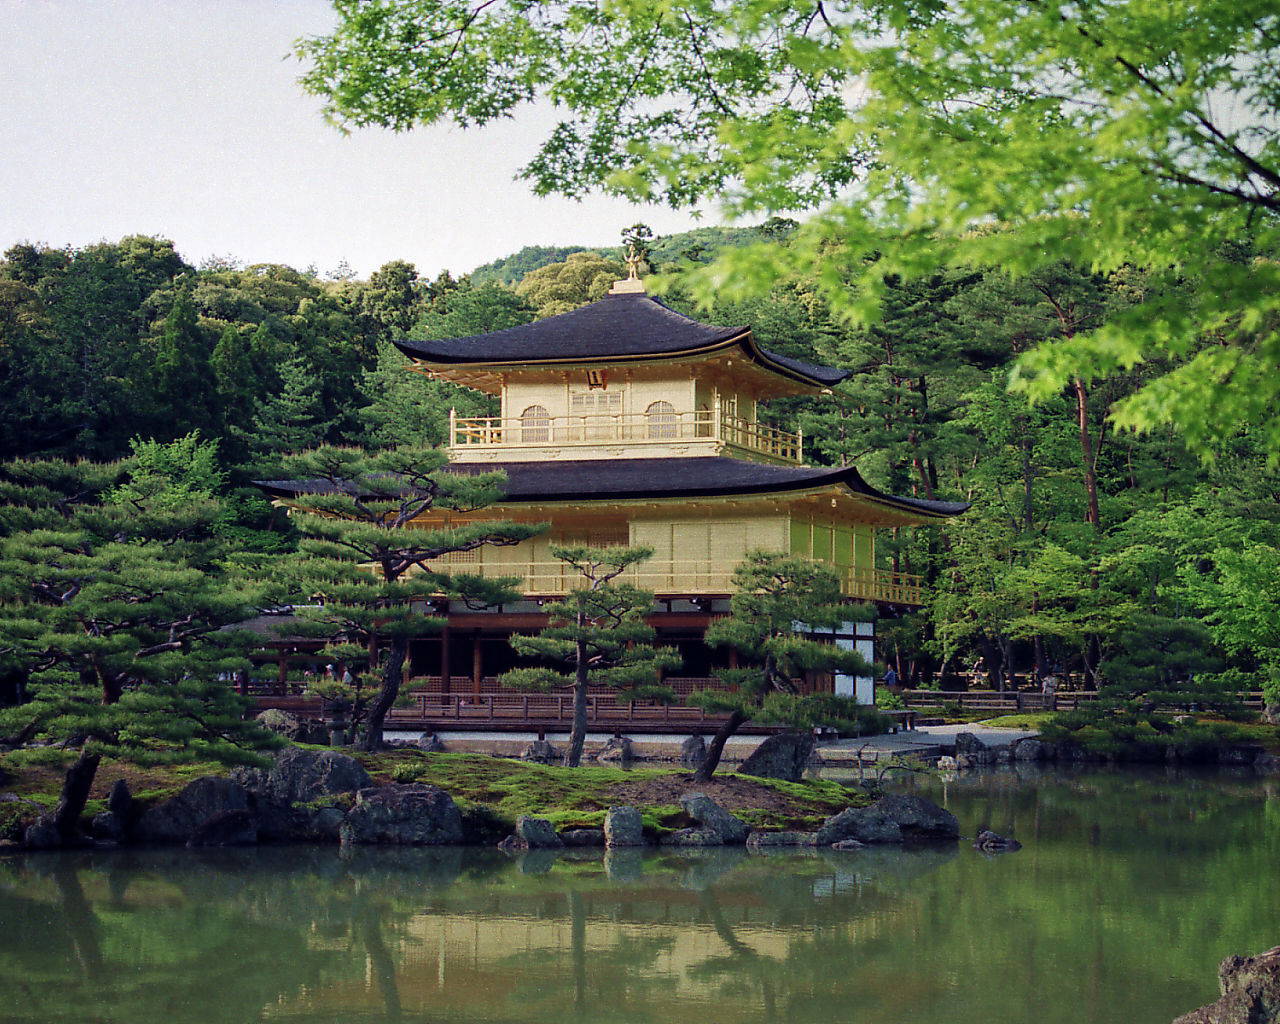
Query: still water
(1128, 891)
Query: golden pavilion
(624, 422)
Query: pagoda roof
(625, 327)
(647, 479)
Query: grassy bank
(492, 792)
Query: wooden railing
(470, 433)
(544, 708)
(686, 576)
(1009, 702)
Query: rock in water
(1250, 988)
(537, 833)
(541, 752)
(616, 749)
(623, 827)
(780, 840)
(226, 828)
(289, 799)
(710, 815)
(176, 819)
(693, 751)
(891, 819)
(784, 756)
(408, 815)
(989, 842)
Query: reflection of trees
(880, 934)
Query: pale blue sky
(183, 118)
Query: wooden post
(477, 663)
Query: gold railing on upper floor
(471, 433)
(686, 576)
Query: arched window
(535, 425)
(661, 417)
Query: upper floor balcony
(681, 577)
(658, 431)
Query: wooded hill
(1117, 555)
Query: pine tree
(115, 596)
(772, 595)
(598, 631)
(287, 422)
(182, 370)
(370, 569)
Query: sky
(183, 119)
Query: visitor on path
(978, 673)
(890, 677)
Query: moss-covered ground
(491, 791)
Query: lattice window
(661, 418)
(535, 425)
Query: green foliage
(371, 555)
(1127, 135)
(559, 287)
(596, 633)
(1128, 729)
(116, 610)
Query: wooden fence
(1011, 702)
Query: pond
(1128, 891)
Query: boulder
(1271, 714)
(174, 820)
(295, 798)
(405, 815)
(784, 756)
(540, 751)
(226, 828)
(891, 819)
(976, 752)
(1242, 754)
(107, 827)
(694, 837)
(989, 842)
(616, 750)
(773, 840)
(42, 834)
(848, 845)
(1029, 749)
(710, 815)
(623, 827)
(537, 833)
(1267, 764)
(430, 743)
(865, 824)
(693, 751)
(120, 802)
(582, 837)
(1250, 988)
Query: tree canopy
(1105, 134)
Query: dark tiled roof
(618, 327)
(635, 479)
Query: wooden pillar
(282, 676)
(477, 663)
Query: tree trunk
(716, 749)
(1092, 515)
(75, 793)
(392, 675)
(578, 734)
